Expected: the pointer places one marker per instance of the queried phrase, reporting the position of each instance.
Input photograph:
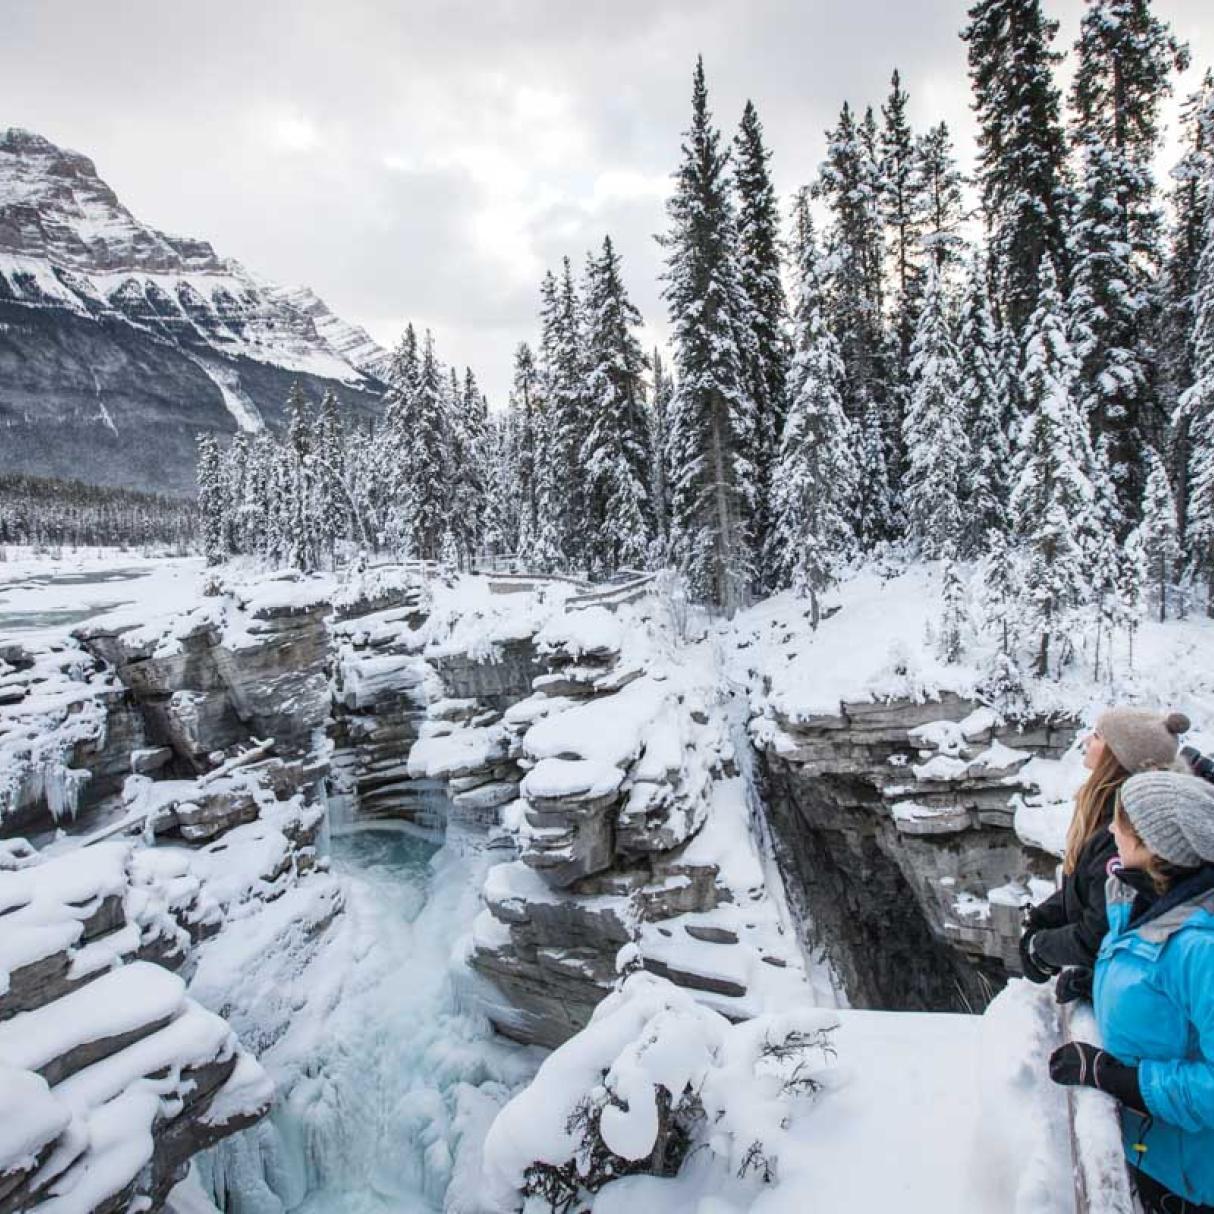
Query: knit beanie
(1141, 740)
(1173, 815)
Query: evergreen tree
(564, 393)
(849, 183)
(1158, 532)
(331, 506)
(426, 455)
(524, 405)
(934, 434)
(614, 454)
(210, 500)
(815, 477)
(233, 473)
(400, 407)
(660, 471)
(1197, 410)
(1188, 200)
(1125, 59)
(303, 551)
(712, 416)
(952, 617)
(1052, 499)
(985, 418)
(764, 346)
(1021, 148)
(941, 199)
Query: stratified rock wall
(894, 822)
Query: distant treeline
(49, 513)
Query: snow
(590, 778)
(30, 1118)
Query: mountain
(119, 343)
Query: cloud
(427, 161)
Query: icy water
(405, 1075)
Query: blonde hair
(1091, 803)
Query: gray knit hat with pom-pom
(1173, 815)
(1141, 740)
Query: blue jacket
(1154, 999)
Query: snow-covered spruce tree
(941, 200)
(1021, 148)
(1193, 178)
(902, 211)
(1158, 532)
(502, 496)
(615, 451)
(1001, 605)
(1126, 56)
(234, 469)
(933, 430)
(660, 478)
(523, 408)
(712, 417)
(816, 475)
(395, 436)
(331, 501)
(1197, 411)
(303, 538)
(985, 418)
(564, 370)
(950, 641)
(424, 448)
(849, 182)
(1052, 500)
(210, 501)
(542, 552)
(471, 490)
(764, 343)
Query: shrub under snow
(654, 1076)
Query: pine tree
(850, 184)
(1197, 410)
(614, 454)
(1125, 59)
(564, 391)
(524, 405)
(764, 346)
(235, 462)
(329, 456)
(941, 199)
(400, 406)
(1021, 148)
(425, 450)
(660, 471)
(934, 434)
(303, 551)
(712, 417)
(815, 477)
(1158, 531)
(1179, 292)
(1052, 500)
(210, 500)
(952, 616)
(985, 418)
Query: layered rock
(623, 830)
(895, 826)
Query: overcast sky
(427, 160)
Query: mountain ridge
(112, 329)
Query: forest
(1009, 371)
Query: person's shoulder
(1097, 852)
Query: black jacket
(1072, 922)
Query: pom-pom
(1177, 722)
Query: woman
(1066, 929)
(1154, 992)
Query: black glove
(1074, 983)
(1033, 970)
(1079, 1063)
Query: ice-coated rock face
(111, 330)
(895, 827)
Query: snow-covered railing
(1102, 1183)
(614, 595)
